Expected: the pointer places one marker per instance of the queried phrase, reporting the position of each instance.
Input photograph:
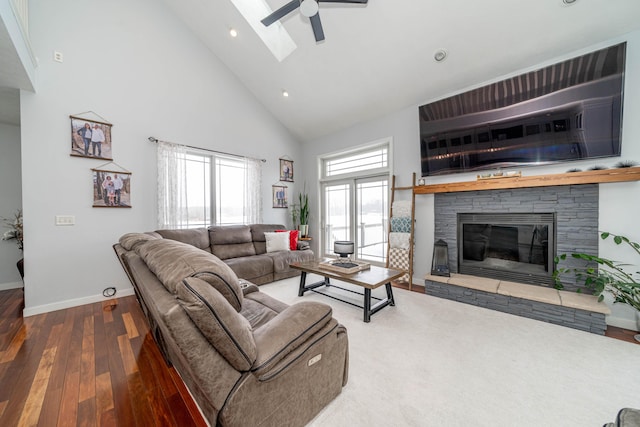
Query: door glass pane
(372, 212)
(337, 215)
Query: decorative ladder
(392, 262)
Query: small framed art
(90, 138)
(279, 196)
(286, 170)
(111, 189)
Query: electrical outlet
(65, 220)
(57, 56)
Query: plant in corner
(599, 275)
(15, 231)
(303, 211)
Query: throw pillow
(293, 238)
(277, 241)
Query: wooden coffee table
(369, 279)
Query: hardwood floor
(91, 365)
(96, 365)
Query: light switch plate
(65, 220)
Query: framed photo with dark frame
(286, 170)
(111, 189)
(90, 138)
(279, 196)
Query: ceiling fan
(308, 8)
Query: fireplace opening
(519, 247)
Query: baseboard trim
(11, 285)
(622, 323)
(61, 305)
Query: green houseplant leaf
(599, 275)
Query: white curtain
(253, 195)
(172, 185)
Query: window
(355, 201)
(197, 188)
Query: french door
(357, 209)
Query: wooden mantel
(569, 178)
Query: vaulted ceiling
(379, 58)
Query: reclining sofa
(243, 248)
(247, 358)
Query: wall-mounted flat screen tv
(567, 111)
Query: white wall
(11, 196)
(136, 65)
(618, 212)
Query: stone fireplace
(514, 234)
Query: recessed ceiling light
(233, 32)
(569, 2)
(285, 93)
(440, 55)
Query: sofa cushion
(131, 241)
(231, 241)
(198, 237)
(277, 241)
(281, 260)
(257, 234)
(251, 267)
(172, 261)
(227, 331)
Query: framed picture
(279, 196)
(286, 170)
(90, 138)
(111, 189)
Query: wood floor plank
(130, 325)
(87, 413)
(68, 415)
(104, 399)
(121, 399)
(33, 404)
(87, 361)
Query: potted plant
(600, 275)
(300, 213)
(15, 231)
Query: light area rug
(434, 362)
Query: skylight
(274, 36)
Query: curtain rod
(156, 140)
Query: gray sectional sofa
(247, 358)
(243, 248)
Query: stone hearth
(565, 308)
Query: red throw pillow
(293, 238)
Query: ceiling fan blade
(281, 13)
(343, 1)
(317, 27)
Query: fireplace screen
(516, 247)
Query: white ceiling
(378, 58)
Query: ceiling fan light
(308, 8)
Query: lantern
(440, 263)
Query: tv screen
(567, 111)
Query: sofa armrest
(287, 332)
